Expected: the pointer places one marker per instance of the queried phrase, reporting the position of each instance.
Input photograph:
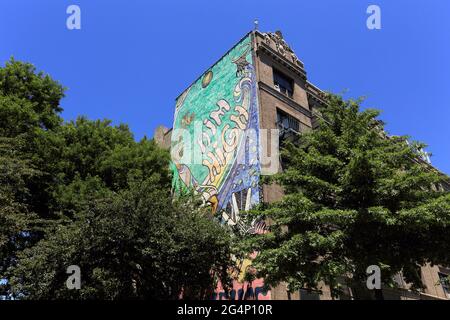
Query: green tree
(86, 193)
(37, 94)
(16, 220)
(29, 116)
(133, 244)
(354, 197)
(96, 148)
(29, 112)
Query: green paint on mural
(216, 104)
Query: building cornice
(263, 47)
(315, 93)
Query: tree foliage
(86, 193)
(354, 197)
(133, 244)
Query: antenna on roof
(256, 22)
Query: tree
(16, 220)
(134, 244)
(38, 91)
(354, 197)
(86, 193)
(29, 116)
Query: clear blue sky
(133, 57)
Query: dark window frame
(283, 83)
(286, 121)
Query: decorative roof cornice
(275, 46)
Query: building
(257, 86)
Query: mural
(219, 115)
(241, 289)
(215, 150)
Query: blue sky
(132, 58)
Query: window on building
(283, 84)
(289, 129)
(445, 282)
(287, 122)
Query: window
(445, 282)
(289, 128)
(283, 84)
(287, 122)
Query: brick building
(259, 85)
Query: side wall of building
(215, 137)
(267, 60)
(215, 149)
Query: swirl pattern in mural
(219, 115)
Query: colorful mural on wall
(215, 150)
(219, 115)
(241, 289)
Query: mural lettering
(218, 114)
